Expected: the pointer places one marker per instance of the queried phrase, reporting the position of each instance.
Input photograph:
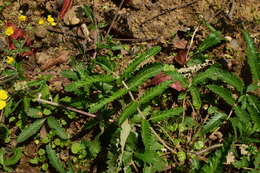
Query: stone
(40, 31)
(71, 17)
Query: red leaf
(19, 34)
(66, 5)
(177, 85)
(161, 77)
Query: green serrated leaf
(54, 160)
(155, 91)
(127, 111)
(147, 135)
(144, 75)
(242, 114)
(252, 57)
(214, 73)
(54, 124)
(133, 65)
(69, 74)
(223, 93)
(163, 115)
(18, 152)
(30, 131)
(213, 122)
(97, 106)
(195, 94)
(213, 39)
(176, 76)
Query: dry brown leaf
(62, 58)
(180, 44)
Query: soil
(141, 22)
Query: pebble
(71, 17)
(42, 58)
(40, 31)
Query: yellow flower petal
(53, 23)
(41, 22)
(9, 60)
(2, 104)
(3, 94)
(50, 19)
(22, 18)
(9, 31)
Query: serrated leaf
(223, 93)
(133, 65)
(97, 106)
(213, 122)
(176, 76)
(252, 57)
(155, 91)
(54, 160)
(69, 74)
(54, 124)
(143, 75)
(195, 94)
(214, 73)
(213, 39)
(255, 116)
(18, 152)
(163, 115)
(147, 135)
(242, 114)
(30, 131)
(34, 113)
(106, 63)
(127, 111)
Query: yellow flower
(50, 19)
(9, 31)
(9, 60)
(2, 104)
(3, 94)
(22, 18)
(41, 22)
(53, 23)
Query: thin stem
(209, 148)
(66, 107)
(162, 141)
(114, 19)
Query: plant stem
(66, 107)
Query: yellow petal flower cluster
(9, 31)
(51, 20)
(9, 60)
(22, 18)
(3, 97)
(41, 21)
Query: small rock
(41, 32)
(42, 58)
(71, 17)
(135, 3)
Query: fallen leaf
(161, 77)
(62, 58)
(181, 57)
(180, 44)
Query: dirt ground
(145, 22)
